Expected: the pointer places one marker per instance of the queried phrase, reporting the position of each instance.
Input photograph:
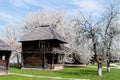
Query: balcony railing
(43, 50)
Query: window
(43, 44)
(3, 57)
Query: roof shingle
(42, 33)
(4, 46)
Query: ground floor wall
(4, 62)
(42, 61)
(3, 67)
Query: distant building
(41, 49)
(5, 52)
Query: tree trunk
(21, 61)
(99, 69)
(18, 62)
(108, 65)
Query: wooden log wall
(4, 64)
(33, 62)
(38, 55)
(39, 45)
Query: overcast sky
(11, 11)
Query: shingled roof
(4, 46)
(42, 33)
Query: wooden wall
(33, 62)
(38, 45)
(37, 60)
(39, 54)
(4, 61)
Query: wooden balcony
(43, 50)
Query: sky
(12, 11)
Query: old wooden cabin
(5, 52)
(41, 49)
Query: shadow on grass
(16, 67)
(68, 71)
(79, 72)
(75, 71)
(75, 66)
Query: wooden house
(5, 52)
(41, 49)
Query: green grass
(70, 72)
(118, 63)
(15, 77)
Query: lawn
(15, 77)
(67, 72)
(117, 64)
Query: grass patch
(16, 77)
(117, 64)
(71, 72)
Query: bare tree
(11, 35)
(44, 17)
(101, 33)
(80, 43)
(91, 30)
(111, 29)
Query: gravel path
(60, 78)
(115, 65)
(112, 64)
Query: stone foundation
(56, 67)
(3, 72)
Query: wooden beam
(52, 60)
(44, 60)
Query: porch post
(43, 60)
(52, 60)
(22, 60)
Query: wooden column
(52, 60)
(44, 60)
(22, 60)
(6, 60)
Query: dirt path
(112, 64)
(60, 78)
(115, 65)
